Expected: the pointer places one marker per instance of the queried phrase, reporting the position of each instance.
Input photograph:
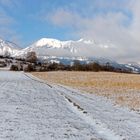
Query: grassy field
(124, 89)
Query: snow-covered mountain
(52, 47)
(8, 48)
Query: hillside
(8, 48)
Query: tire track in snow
(100, 128)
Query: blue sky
(24, 21)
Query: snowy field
(31, 109)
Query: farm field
(122, 88)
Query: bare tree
(31, 57)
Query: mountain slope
(8, 48)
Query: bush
(86, 67)
(28, 68)
(14, 68)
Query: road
(31, 109)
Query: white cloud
(106, 26)
(135, 27)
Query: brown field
(124, 89)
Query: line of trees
(77, 66)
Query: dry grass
(123, 88)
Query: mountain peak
(47, 41)
(57, 43)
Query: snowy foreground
(31, 109)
